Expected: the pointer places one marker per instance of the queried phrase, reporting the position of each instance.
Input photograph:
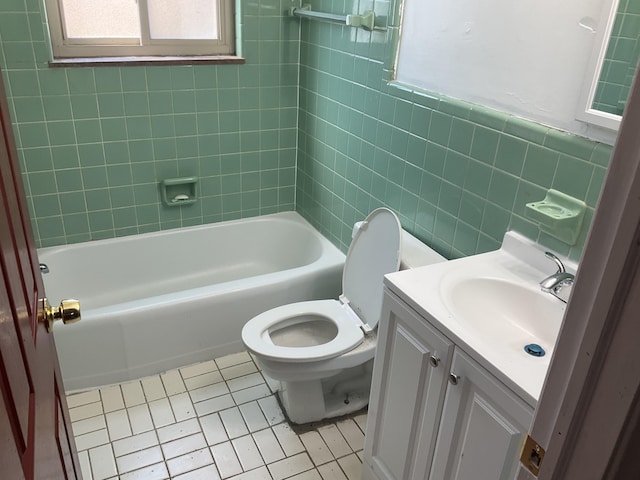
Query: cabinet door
(406, 396)
(482, 426)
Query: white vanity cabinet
(409, 378)
(435, 413)
(482, 426)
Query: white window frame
(64, 47)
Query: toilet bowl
(321, 352)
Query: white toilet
(322, 351)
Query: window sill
(146, 61)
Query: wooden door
(35, 431)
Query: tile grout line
(245, 427)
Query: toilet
(321, 352)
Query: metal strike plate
(532, 455)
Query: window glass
(140, 28)
(170, 19)
(101, 18)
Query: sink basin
(505, 312)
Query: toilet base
(315, 400)
(302, 401)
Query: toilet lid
(374, 252)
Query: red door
(35, 432)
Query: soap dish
(559, 215)
(178, 192)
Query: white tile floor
(213, 420)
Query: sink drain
(534, 349)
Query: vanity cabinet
(482, 426)
(435, 413)
(409, 377)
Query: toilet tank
(417, 254)
(414, 252)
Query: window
(124, 28)
(507, 55)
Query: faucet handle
(558, 262)
(556, 281)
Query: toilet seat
(349, 335)
(374, 251)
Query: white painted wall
(525, 57)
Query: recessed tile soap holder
(177, 192)
(559, 215)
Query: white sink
(504, 312)
(492, 303)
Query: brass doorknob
(68, 312)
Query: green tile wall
(95, 142)
(458, 174)
(621, 59)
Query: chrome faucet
(554, 283)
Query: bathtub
(161, 300)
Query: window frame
(65, 48)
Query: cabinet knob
(435, 361)
(453, 378)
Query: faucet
(554, 283)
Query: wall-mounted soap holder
(177, 192)
(559, 215)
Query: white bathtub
(161, 300)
